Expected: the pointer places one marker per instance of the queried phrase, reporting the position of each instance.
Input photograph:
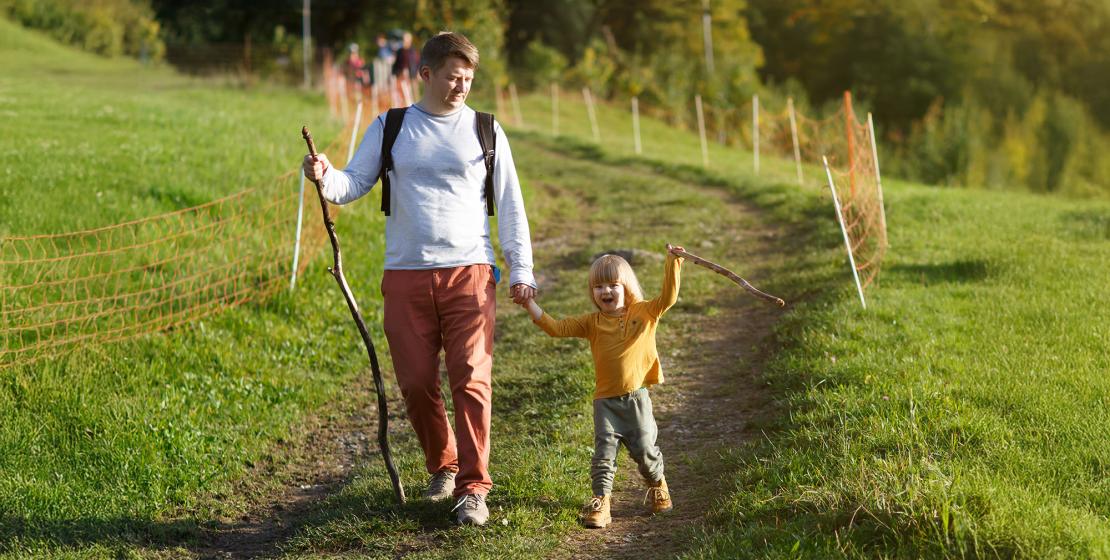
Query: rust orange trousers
(450, 309)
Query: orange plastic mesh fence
(858, 191)
(840, 137)
(847, 144)
(60, 291)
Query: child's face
(609, 297)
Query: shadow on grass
(1087, 225)
(18, 534)
(940, 273)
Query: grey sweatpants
(625, 419)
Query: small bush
(539, 65)
(105, 27)
(1053, 146)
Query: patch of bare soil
(284, 489)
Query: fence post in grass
(354, 132)
(755, 132)
(590, 111)
(850, 135)
(878, 178)
(847, 242)
(636, 126)
(554, 109)
(499, 101)
(701, 132)
(794, 138)
(344, 100)
(517, 116)
(297, 243)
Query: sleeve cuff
(522, 276)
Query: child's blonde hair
(609, 269)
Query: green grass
(96, 446)
(90, 141)
(963, 414)
(131, 448)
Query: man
(439, 281)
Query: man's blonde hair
(445, 45)
(610, 269)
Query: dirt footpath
(712, 345)
(712, 399)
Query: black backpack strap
(488, 139)
(393, 121)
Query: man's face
(449, 85)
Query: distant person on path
(622, 339)
(354, 68)
(382, 64)
(407, 63)
(439, 284)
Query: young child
(622, 340)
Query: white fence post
(297, 244)
(794, 137)
(847, 241)
(593, 116)
(554, 109)
(354, 132)
(636, 125)
(755, 131)
(701, 131)
(517, 116)
(878, 178)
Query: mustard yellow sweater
(625, 357)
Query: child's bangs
(607, 270)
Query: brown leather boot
(595, 514)
(658, 497)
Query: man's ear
(425, 73)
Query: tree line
(993, 93)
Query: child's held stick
(730, 275)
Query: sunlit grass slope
(964, 413)
(88, 141)
(97, 445)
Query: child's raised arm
(671, 282)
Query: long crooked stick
(731, 276)
(379, 386)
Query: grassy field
(95, 446)
(963, 414)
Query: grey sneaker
(440, 486)
(471, 510)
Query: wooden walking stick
(379, 386)
(731, 276)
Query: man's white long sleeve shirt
(438, 204)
